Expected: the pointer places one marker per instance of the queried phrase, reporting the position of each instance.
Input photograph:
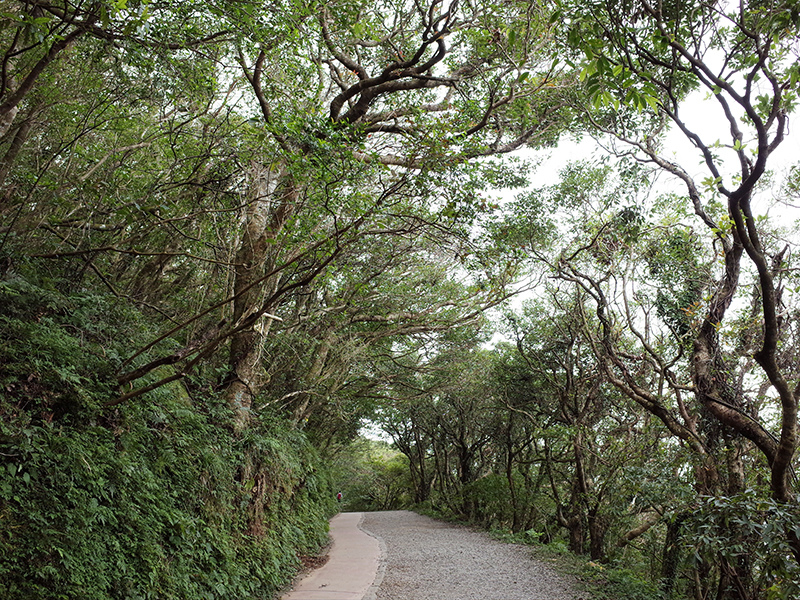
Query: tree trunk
(597, 534)
(670, 557)
(423, 489)
(271, 197)
(577, 535)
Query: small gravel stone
(425, 559)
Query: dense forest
(233, 234)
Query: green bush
(157, 498)
(609, 583)
(747, 529)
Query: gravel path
(424, 559)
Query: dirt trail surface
(423, 559)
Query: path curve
(400, 555)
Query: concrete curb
(372, 592)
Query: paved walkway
(352, 566)
(426, 560)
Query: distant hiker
(339, 497)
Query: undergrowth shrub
(618, 583)
(746, 530)
(156, 498)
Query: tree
(442, 415)
(646, 272)
(654, 56)
(592, 441)
(650, 59)
(334, 353)
(372, 476)
(378, 103)
(374, 113)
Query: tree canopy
(265, 225)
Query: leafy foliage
(147, 500)
(371, 476)
(747, 530)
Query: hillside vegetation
(148, 500)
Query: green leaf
(652, 101)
